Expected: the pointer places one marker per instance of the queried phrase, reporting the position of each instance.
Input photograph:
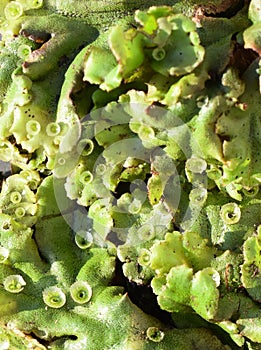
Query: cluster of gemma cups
(121, 151)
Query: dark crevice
(242, 58)
(38, 339)
(22, 150)
(46, 343)
(224, 138)
(119, 278)
(39, 37)
(227, 9)
(81, 96)
(142, 296)
(122, 187)
(42, 257)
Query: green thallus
(171, 141)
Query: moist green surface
(131, 218)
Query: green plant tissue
(130, 170)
